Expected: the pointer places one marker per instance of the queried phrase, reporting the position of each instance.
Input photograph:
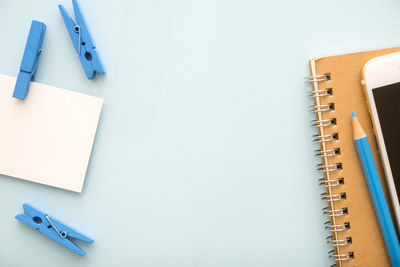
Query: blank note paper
(48, 137)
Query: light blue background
(203, 155)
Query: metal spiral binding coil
(325, 138)
(338, 242)
(341, 257)
(318, 78)
(327, 153)
(323, 123)
(334, 213)
(333, 198)
(324, 92)
(337, 227)
(331, 183)
(322, 108)
(329, 168)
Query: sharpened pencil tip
(358, 131)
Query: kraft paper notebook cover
(353, 227)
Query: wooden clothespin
(30, 60)
(52, 228)
(82, 41)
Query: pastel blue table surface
(203, 155)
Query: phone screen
(387, 102)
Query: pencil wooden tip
(358, 131)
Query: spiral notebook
(353, 228)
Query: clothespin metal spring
(77, 29)
(62, 234)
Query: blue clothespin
(30, 60)
(82, 40)
(52, 228)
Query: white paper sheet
(48, 137)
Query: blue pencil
(376, 191)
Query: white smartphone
(381, 80)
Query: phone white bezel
(378, 72)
